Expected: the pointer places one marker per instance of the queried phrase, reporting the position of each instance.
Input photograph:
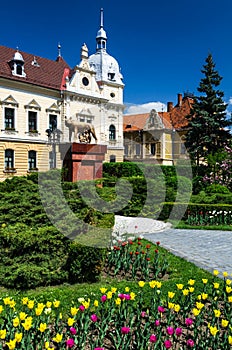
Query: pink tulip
(161, 309)
(167, 344)
(70, 343)
(103, 298)
(94, 318)
(188, 321)
(157, 323)
(153, 338)
(73, 330)
(82, 308)
(170, 330)
(190, 343)
(178, 331)
(125, 330)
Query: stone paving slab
(208, 249)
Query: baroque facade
(38, 95)
(158, 136)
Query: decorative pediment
(85, 112)
(154, 121)
(53, 109)
(33, 105)
(10, 101)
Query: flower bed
(122, 319)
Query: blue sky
(161, 45)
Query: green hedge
(38, 257)
(183, 210)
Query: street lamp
(53, 135)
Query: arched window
(9, 159)
(31, 160)
(112, 158)
(112, 132)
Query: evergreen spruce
(208, 126)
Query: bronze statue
(81, 130)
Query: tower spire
(101, 21)
(101, 37)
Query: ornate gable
(33, 105)
(10, 101)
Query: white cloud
(145, 108)
(230, 101)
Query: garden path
(208, 249)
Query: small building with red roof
(158, 136)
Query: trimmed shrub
(30, 258)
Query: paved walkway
(208, 249)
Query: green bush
(39, 257)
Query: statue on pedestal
(81, 130)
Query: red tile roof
(49, 74)
(176, 118)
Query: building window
(112, 132)
(9, 159)
(126, 150)
(153, 148)
(9, 118)
(138, 149)
(112, 158)
(32, 121)
(52, 121)
(32, 160)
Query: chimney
(179, 100)
(170, 106)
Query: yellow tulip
(56, 303)
(16, 322)
(191, 282)
(224, 323)
(11, 344)
(42, 327)
(217, 313)
(18, 337)
(74, 311)
(58, 338)
(141, 284)
(70, 321)
(180, 286)
(171, 295)
(2, 333)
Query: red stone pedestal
(84, 161)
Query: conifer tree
(208, 126)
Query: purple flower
(157, 323)
(188, 321)
(73, 330)
(153, 338)
(82, 308)
(161, 309)
(70, 343)
(167, 344)
(125, 330)
(103, 298)
(94, 317)
(127, 296)
(178, 331)
(98, 348)
(190, 343)
(170, 330)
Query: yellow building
(37, 95)
(158, 136)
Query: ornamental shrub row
(31, 257)
(201, 210)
